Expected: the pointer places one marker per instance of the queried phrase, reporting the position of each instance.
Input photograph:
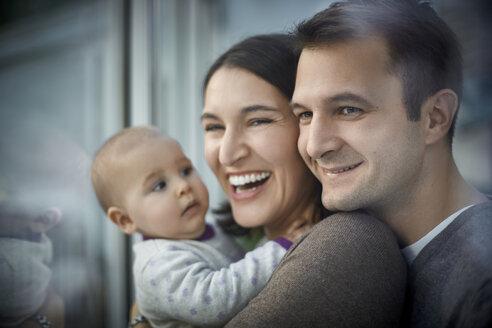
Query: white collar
(410, 252)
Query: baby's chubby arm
(187, 284)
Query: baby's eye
(161, 185)
(186, 171)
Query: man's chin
(338, 205)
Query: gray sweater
(450, 281)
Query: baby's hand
(297, 229)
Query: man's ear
(121, 219)
(438, 112)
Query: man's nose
(322, 138)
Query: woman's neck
(309, 213)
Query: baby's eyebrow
(149, 177)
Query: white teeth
(240, 189)
(344, 169)
(241, 180)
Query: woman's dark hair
(272, 57)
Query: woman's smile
(246, 186)
(248, 182)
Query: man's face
(354, 132)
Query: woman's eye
(213, 127)
(161, 185)
(260, 121)
(186, 171)
(350, 110)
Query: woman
(347, 270)
(250, 131)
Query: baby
(187, 272)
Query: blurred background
(72, 73)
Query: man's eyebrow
(349, 97)
(244, 111)
(294, 106)
(342, 97)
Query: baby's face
(165, 196)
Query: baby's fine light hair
(107, 159)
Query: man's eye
(350, 110)
(186, 171)
(304, 117)
(161, 185)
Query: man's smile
(340, 169)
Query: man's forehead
(369, 52)
(352, 72)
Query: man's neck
(436, 197)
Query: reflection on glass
(42, 175)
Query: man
(377, 91)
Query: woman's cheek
(211, 152)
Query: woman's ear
(439, 111)
(121, 219)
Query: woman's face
(251, 146)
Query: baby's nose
(183, 188)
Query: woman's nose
(232, 148)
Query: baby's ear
(46, 220)
(121, 219)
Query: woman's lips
(248, 182)
(248, 185)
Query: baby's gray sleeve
(180, 285)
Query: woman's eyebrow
(208, 116)
(244, 111)
(256, 108)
